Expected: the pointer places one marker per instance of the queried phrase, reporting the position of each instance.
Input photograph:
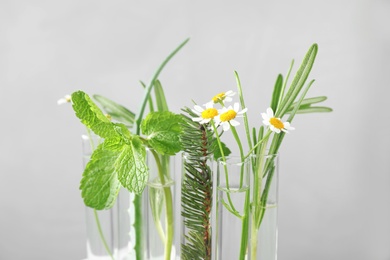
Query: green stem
(231, 208)
(246, 213)
(101, 234)
(237, 138)
(160, 230)
(245, 226)
(168, 208)
(264, 197)
(258, 143)
(138, 223)
(256, 205)
(242, 102)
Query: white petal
(228, 99)
(234, 122)
(266, 122)
(196, 112)
(270, 113)
(198, 108)
(209, 104)
(288, 126)
(222, 110)
(226, 126)
(230, 93)
(265, 116)
(243, 111)
(274, 129)
(236, 107)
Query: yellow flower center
(209, 113)
(228, 115)
(276, 123)
(219, 97)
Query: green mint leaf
(131, 166)
(91, 116)
(123, 132)
(116, 161)
(99, 184)
(163, 131)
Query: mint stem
(138, 222)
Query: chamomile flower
(275, 124)
(222, 97)
(65, 99)
(228, 114)
(205, 115)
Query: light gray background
(335, 171)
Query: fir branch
(197, 189)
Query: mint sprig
(120, 159)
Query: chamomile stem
(224, 165)
(245, 216)
(237, 138)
